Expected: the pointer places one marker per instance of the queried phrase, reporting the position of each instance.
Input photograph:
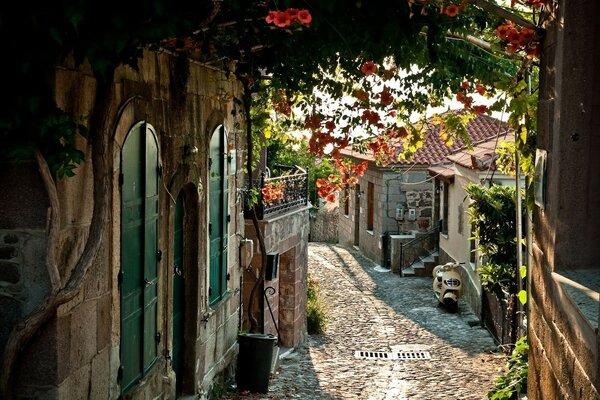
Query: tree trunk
(100, 132)
(247, 100)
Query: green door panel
(139, 261)
(178, 291)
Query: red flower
(293, 13)
(336, 154)
(480, 89)
(452, 10)
(514, 37)
(386, 98)
(480, 109)
(361, 94)
(368, 68)
(330, 125)
(282, 19)
(465, 85)
(527, 36)
(304, 17)
(502, 31)
(331, 197)
(270, 17)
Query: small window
(445, 209)
(346, 201)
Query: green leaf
(522, 296)
(523, 271)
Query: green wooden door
(218, 215)
(139, 253)
(178, 291)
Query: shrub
(514, 382)
(315, 314)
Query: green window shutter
(218, 216)
(151, 250)
(224, 211)
(139, 230)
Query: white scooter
(447, 285)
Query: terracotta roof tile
(434, 151)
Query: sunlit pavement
(373, 311)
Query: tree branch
(496, 9)
(22, 333)
(54, 223)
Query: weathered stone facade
(77, 354)
(287, 236)
(324, 223)
(405, 189)
(563, 332)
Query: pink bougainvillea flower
(282, 19)
(304, 17)
(368, 68)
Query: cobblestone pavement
(380, 311)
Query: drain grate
(402, 355)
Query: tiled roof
(434, 151)
(481, 153)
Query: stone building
(564, 281)
(400, 200)
(158, 311)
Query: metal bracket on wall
(270, 291)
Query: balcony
(292, 185)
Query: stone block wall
(77, 353)
(286, 235)
(324, 223)
(564, 344)
(407, 190)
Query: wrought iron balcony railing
(291, 184)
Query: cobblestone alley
(380, 311)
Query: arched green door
(139, 254)
(178, 291)
(218, 220)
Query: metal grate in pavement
(383, 355)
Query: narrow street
(370, 310)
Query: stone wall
(563, 361)
(77, 354)
(286, 235)
(324, 223)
